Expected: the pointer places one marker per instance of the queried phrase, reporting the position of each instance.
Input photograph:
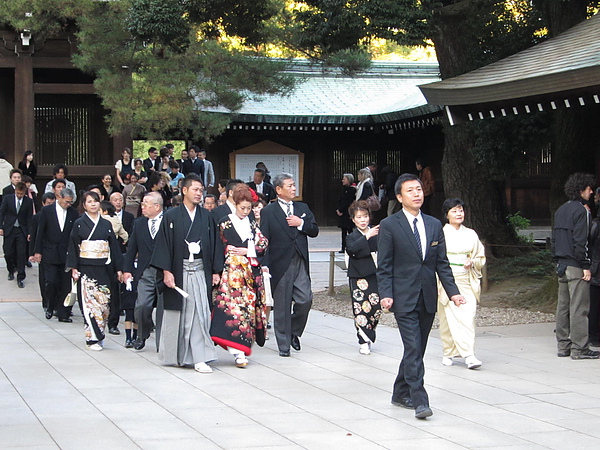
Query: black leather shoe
(67, 320)
(11, 276)
(48, 315)
(20, 284)
(423, 411)
(114, 331)
(564, 353)
(128, 343)
(296, 343)
(139, 343)
(404, 402)
(284, 353)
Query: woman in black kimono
(93, 258)
(239, 310)
(361, 247)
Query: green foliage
(518, 221)
(535, 263)
(140, 148)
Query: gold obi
(97, 249)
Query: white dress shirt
(420, 228)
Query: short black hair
(190, 178)
(55, 182)
(263, 172)
(57, 168)
(108, 207)
(577, 182)
(48, 196)
(403, 179)
(231, 184)
(450, 203)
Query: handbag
(71, 297)
(374, 203)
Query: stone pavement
(56, 394)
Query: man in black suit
(262, 187)
(287, 225)
(15, 218)
(152, 162)
(145, 277)
(47, 199)
(228, 207)
(50, 250)
(411, 251)
(194, 164)
(126, 218)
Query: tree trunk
(454, 39)
(575, 140)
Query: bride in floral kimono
(239, 310)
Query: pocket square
(434, 243)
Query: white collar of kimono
(192, 213)
(242, 226)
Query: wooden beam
(24, 103)
(63, 88)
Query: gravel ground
(487, 316)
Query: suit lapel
(410, 235)
(281, 218)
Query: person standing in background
(426, 177)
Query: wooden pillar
(24, 103)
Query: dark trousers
(147, 297)
(57, 284)
(414, 328)
(292, 300)
(115, 304)
(15, 252)
(594, 314)
(42, 283)
(345, 233)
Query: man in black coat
(411, 251)
(126, 218)
(15, 218)
(47, 199)
(152, 162)
(145, 277)
(50, 250)
(194, 164)
(287, 225)
(262, 187)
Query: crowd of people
(214, 267)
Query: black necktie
(417, 237)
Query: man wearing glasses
(51, 243)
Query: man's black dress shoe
(67, 320)
(296, 343)
(20, 284)
(11, 276)
(114, 331)
(564, 353)
(404, 402)
(139, 343)
(423, 411)
(128, 343)
(284, 353)
(48, 314)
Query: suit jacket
(50, 242)
(141, 245)
(401, 272)
(283, 239)
(149, 165)
(127, 220)
(8, 190)
(209, 174)
(9, 215)
(195, 166)
(268, 190)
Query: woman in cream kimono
(467, 257)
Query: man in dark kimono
(190, 254)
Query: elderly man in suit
(287, 225)
(15, 218)
(145, 277)
(51, 243)
(412, 250)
